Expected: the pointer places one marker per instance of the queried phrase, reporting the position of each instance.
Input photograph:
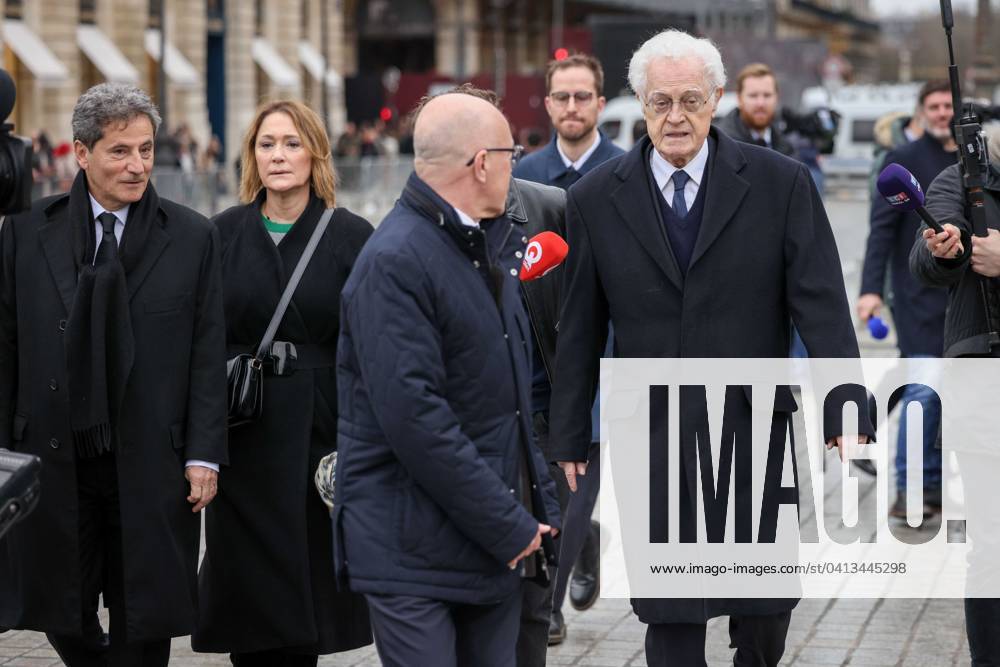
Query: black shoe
(585, 584)
(557, 628)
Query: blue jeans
(931, 422)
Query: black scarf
(100, 348)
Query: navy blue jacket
(434, 429)
(917, 309)
(546, 166)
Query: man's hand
(986, 254)
(204, 484)
(947, 244)
(869, 306)
(838, 442)
(533, 546)
(571, 469)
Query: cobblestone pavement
(883, 633)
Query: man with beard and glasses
(752, 121)
(918, 310)
(573, 101)
(113, 372)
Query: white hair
(675, 45)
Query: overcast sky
(911, 7)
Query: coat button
(513, 272)
(53, 385)
(524, 239)
(517, 412)
(506, 337)
(519, 254)
(53, 443)
(475, 263)
(62, 325)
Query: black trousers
(759, 642)
(101, 571)
(420, 631)
(576, 523)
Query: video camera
(819, 126)
(19, 487)
(15, 156)
(985, 112)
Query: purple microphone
(902, 191)
(877, 328)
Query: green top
(277, 230)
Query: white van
(859, 107)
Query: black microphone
(903, 192)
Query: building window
(155, 8)
(88, 11)
(215, 17)
(13, 9)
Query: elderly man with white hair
(443, 500)
(693, 245)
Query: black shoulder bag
(246, 371)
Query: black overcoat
(174, 410)
(267, 577)
(765, 257)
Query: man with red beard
(752, 121)
(573, 101)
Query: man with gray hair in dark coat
(112, 371)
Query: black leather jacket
(541, 208)
(965, 329)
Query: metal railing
(368, 187)
(207, 192)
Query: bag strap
(293, 282)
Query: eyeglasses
(691, 102)
(582, 97)
(515, 153)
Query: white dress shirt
(580, 161)
(465, 219)
(765, 135)
(122, 215)
(663, 173)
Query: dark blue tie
(109, 244)
(680, 179)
